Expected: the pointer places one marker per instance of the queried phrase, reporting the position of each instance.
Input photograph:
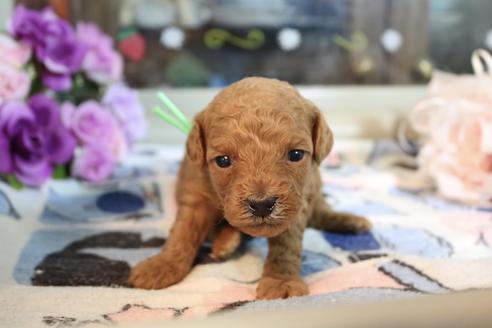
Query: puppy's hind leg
(324, 218)
(227, 241)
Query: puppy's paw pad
(272, 288)
(156, 272)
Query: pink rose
(127, 109)
(12, 53)
(118, 145)
(14, 83)
(67, 110)
(457, 124)
(94, 163)
(92, 123)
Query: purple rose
(56, 82)
(53, 39)
(101, 63)
(95, 163)
(35, 139)
(125, 105)
(27, 25)
(6, 165)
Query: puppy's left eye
(223, 161)
(296, 155)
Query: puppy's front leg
(193, 223)
(281, 277)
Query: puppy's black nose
(262, 207)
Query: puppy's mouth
(267, 230)
(267, 226)
(260, 217)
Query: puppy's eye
(223, 161)
(296, 155)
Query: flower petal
(46, 111)
(11, 114)
(57, 82)
(33, 171)
(5, 157)
(60, 146)
(95, 163)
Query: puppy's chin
(263, 230)
(273, 225)
(259, 227)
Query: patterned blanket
(67, 249)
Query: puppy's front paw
(273, 288)
(357, 224)
(157, 272)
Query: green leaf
(60, 172)
(13, 182)
(125, 33)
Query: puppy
(252, 158)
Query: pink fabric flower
(457, 121)
(94, 163)
(14, 83)
(119, 145)
(92, 123)
(12, 53)
(67, 113)
(125, 105)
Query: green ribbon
(179, 120)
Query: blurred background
(211, 43)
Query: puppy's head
(259, 141)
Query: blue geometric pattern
(409, 241)
(316, 262)
(311, 262)
(129, 199)
(353, 243)
(412, 241)
(120, 202)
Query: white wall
(351, 111)
(5, 10)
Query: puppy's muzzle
(261, 207)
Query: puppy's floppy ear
(321, 134)
(195, 144)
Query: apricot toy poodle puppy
(252, 158)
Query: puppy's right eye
(223, 161)
(295, 155)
